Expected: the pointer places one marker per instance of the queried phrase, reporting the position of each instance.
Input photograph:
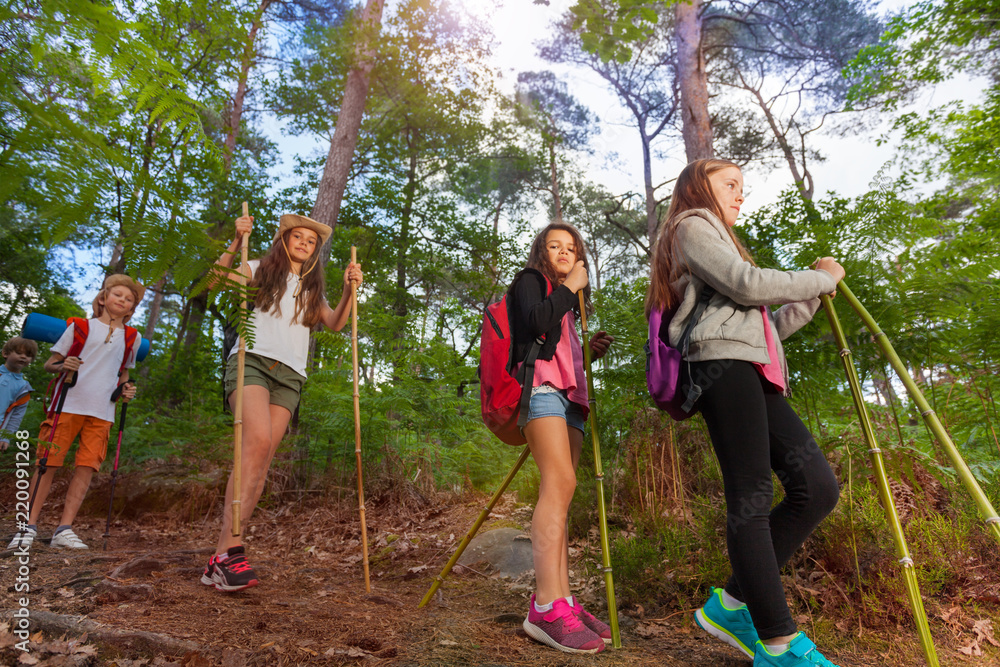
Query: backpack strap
(131, 334)
(20, 400)
(81, 329)
(694, 390)
(526, 374)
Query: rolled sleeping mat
(48, 329)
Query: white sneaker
(24, 537)
(68, 539)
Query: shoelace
(571, 622)
(238, 567)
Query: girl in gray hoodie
(737, 360)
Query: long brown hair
(693, 189)
(538, 258)
(271, 280)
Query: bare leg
(77, 491)
(550, 444)
(575, 445)
(44, 486)
(263, 427)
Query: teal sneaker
(801, 653)
(732, 626)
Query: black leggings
(755, 431)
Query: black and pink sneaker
(232, 572)
(561, 629)
(206, 576)
(597, 626)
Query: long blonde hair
(693, 189)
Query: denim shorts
(555, 404)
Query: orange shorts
(93, 434)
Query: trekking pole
(438, 580)
(882, 481)
(986, 509)
(68, 380)
(114, 470)
(357, 421)
(609, 584)
(238, 403)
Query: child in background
(736, 357)
(290, 300)
(101, 365)
(14, 389)
(543, 302)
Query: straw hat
(291, 221)
(121, 279)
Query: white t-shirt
(276, 337)
(97, 378)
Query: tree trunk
(153, 319)
(802, 177)
(154, 309)
(246, 63)
(696, 122)
(554, 176)
(403, 242)
(652, 220)
(345, 136)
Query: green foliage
(610, 28)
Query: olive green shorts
(282, 382)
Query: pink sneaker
(561, 629)
(596, 625)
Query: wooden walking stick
(357, 420)
(882, 481)
(438, 580)
(241, 354)
(982, 501)
(609, 584)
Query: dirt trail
(144, 604)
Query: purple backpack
(663, 361)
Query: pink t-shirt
(565, 369)
(772, 371)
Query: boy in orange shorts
(99, 352)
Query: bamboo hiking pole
(882, 481)
(357, 421)
(241, 353)
(609, 584)
(438, 580)
(986, 508)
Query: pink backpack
(663, 361)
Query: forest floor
(141, 601)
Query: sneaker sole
(711, 628)
(233, 589)
(541, 636)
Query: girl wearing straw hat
(735, 356)
(289, 300)
(542, 302)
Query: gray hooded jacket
(731, 326)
